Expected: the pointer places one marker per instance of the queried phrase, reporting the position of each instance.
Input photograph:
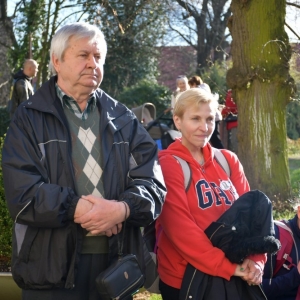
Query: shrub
(146, 91)
(4, 120)
(6, 224)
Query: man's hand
(116, 229)
(83, 206)
(105, 215)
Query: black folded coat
(245, 228)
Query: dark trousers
(168, 292)
(90, 266)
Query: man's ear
(55, 62)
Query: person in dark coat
(284, 285)
(76, 164)
(22, 84)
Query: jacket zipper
(216, 231)
(118, 297)
(22, 210)
(188, 290)
(262, 291)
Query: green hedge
(6, 224)
(4, 120)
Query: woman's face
(196, 125)
(182, 85)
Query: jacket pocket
(46, 259)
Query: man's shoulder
(20, 82)
(109, 103)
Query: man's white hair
(78, 30)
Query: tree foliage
(215, 77)
(132, 30)
(293, 108)
(146, 91)
(6, 41)
(35, 22)
(293, 120)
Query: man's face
(81, 69)
(34, 69)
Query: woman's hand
(249, 271)
(254, 274)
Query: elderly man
(22, 84)
(86, 164)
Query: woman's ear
(177, 122)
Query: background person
(196, 81)
(205, 201)
(23, 88)
(182, 85)
(86, 165)
(284, 285)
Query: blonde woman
(186, 214)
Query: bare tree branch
(292, 4)
(291, 29)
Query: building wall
(174, 61)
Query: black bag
(121, 279)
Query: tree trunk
(262, 88)
(6, 34)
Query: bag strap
(187, 172)
(221, 160)
(286, 237)
(121, 243)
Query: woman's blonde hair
(193, 97)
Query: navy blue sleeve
(285, 283)
(282, 285)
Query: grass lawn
(8, 288)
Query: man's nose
(92, 62)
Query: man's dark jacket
(21, 91)
(40, 185)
